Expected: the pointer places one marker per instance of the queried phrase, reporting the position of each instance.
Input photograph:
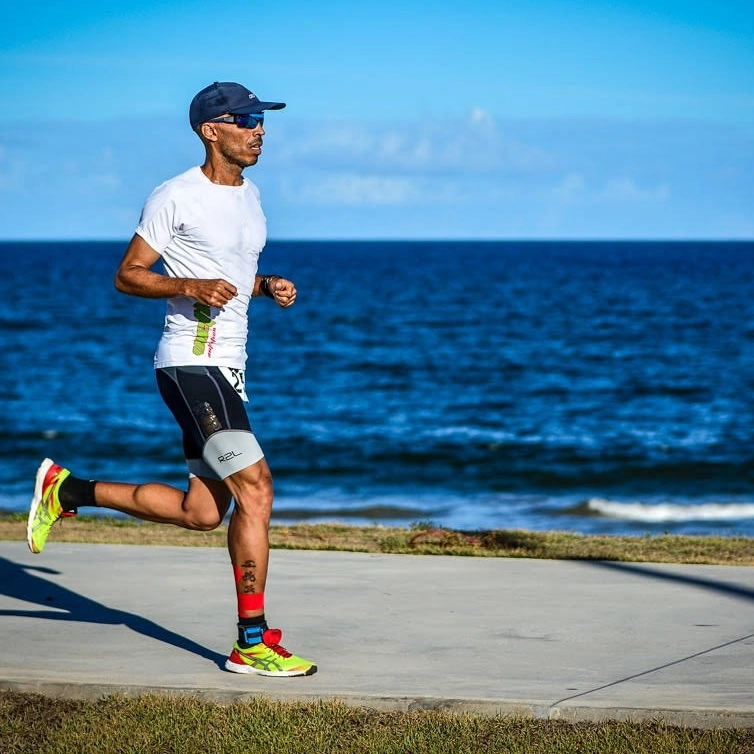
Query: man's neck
(223, 175)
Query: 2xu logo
(228, 456)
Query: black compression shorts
(203, 401)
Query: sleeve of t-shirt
(157, 220)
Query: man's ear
(208, 131)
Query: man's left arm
(280, 290)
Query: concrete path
(548, 639)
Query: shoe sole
(234, 667)
(44, 467)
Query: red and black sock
(251, 621)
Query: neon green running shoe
(268, 658)
(45, 506)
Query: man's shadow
(20, 582)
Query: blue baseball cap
(220, 98)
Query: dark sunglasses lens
(249, 121)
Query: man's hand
(283, 291)
(135, 276)
(215, 293)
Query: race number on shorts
(237, 380)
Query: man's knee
(203, 520)
(205, 504)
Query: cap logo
(252, 96)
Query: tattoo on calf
(248, 577)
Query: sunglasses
(244, 120)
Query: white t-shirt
(204, 230)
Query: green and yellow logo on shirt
(204, 326)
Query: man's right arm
(135, 277)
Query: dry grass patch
(420, 539)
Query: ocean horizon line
(427, 240)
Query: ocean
(593, 387)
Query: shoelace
(271, 638)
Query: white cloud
(571, 188)
(351, 189)
(472, 145)
(481, 118)
(626, 189)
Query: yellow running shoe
(268, 658)
(45, 506)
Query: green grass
(153, 724)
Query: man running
(207, 228)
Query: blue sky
(405, 119)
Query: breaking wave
(669, 512)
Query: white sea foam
(667, 512)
